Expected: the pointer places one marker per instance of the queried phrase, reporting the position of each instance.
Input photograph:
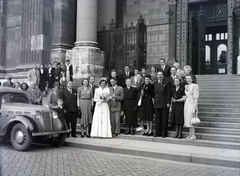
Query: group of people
(44, 78)
(138, 95)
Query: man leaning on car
(34, 94)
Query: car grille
(47, 121)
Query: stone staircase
(219, 112)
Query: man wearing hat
(8, 83)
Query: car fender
(28, 122)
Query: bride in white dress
(101, 118)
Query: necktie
(113, 89)
(127, 74)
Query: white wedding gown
(101, 118)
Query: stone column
(64, 29)
(107, 10)
(87, 59)
(86, 23)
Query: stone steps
(233, 125)
(220, 105)
(211, 101)
(220, 119)
(217, 109)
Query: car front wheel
(56, 142)
(20, 138)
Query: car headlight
(54, 114)
(37, 115)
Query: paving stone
(45, 160)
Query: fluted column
(86, 23)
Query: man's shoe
(156, 135)
(150, 134)
(139, 129)
(74, 136)
(116, 134)
(128, 132)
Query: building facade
(201, 33)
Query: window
(221, 54)
(207, 55)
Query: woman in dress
(85, 104)
(146, 104)
(191, 105)
(138, 87)
(153, 74)
(130, 106)
(101, 118)
(177, 115)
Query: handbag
(195, 120)
(79, 114)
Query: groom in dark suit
(162, 100)
(166, 69)
(69, 97)
(126, 74)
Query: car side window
(18, 98)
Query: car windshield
(14, 98)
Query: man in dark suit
(173, 76)
(69, 71)
(8, 83)
(69, 97)
(113, 74)
(166, 69)
(126, 74)
(50, 76)
(162, 100)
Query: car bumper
(50, 133)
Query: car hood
(23, 107)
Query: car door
(4, 118)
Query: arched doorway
(207, 37)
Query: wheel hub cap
(20, 136)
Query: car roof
(10, 90)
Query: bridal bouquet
(104, 96)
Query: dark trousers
(71, 117)
(161, 121)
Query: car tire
(20, 138)
(57, 142)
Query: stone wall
(154, 13)
(13, 33)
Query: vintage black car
(22, 122)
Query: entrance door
(196, 47)
(216, 50)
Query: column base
(87, 61)
(58, 53)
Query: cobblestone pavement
(46, 160)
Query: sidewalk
(160, 150)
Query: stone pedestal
(86, 61)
